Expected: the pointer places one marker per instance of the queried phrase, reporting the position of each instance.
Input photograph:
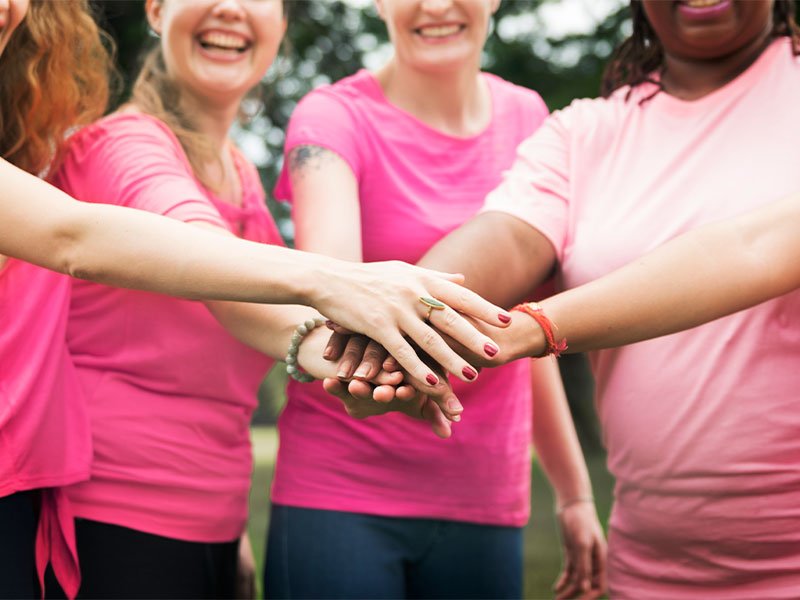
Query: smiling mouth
(215, 40)
(439, 31)
(701, 3)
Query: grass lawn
(542, 546)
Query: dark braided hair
(641, 55)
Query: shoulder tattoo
(303, 158)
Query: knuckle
(429, 339)
(451, 318)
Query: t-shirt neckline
(741, 81)
(378, 94)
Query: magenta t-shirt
(170, 392)
(45, 439)
(416, 184)
(702, 427)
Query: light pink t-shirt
(415, 185)
(702, 427)
(170, 392)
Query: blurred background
(557, 47)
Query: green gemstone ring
(432, 304)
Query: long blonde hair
(157, 94)
(54, 76)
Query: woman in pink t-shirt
(171, 384)
(698, 124)
(380, 166)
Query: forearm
(265, 328)
(703, 275)
(502, 257)
(131, 248)
(554, 437)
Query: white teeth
(702, 3)
(223, 40)
(439, 31)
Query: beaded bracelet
(534, 310)
(292, 366)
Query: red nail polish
(469, 373)
(490, 349)
(432, 379)
(503, 318)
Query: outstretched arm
(131, 248)
(700, 276)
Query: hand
(361, 401)
(245, 570)
(369, 356)
(360, 359)
(381, 301)
(584, 572)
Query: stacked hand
(386, 302)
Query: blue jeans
(331, 554)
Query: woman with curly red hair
(53, 78)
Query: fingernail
(469, 373)
(432, 379)
(329, 324)
(454, 405)
(490, 349)
(327, 353)
(457, 418)
(343, 371)
(504, 318)
(361, 373)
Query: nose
(227, 10)
(436, 7)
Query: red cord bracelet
(536, 312)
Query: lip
(703, 13)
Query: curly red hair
(54, 76)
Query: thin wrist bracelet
(572, 501)
(535, 311)
(300, 332)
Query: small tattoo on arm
(303, 158)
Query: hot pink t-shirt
(702, 427)
(170, 392)
(415, 185)
(45, 439)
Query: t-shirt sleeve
(134, 161)
(322, 119)
(536, 187)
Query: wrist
(552, 343)
(311, 282)
(570, 501)
(525, 338)
(295, 363)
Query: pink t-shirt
(45, 439)
(170, 392)
(415, 185)
(702, 427)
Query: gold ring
(432, 304)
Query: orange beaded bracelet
(536, 312)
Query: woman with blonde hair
(397, 158)
(53, 78)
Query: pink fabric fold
(55, 542)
